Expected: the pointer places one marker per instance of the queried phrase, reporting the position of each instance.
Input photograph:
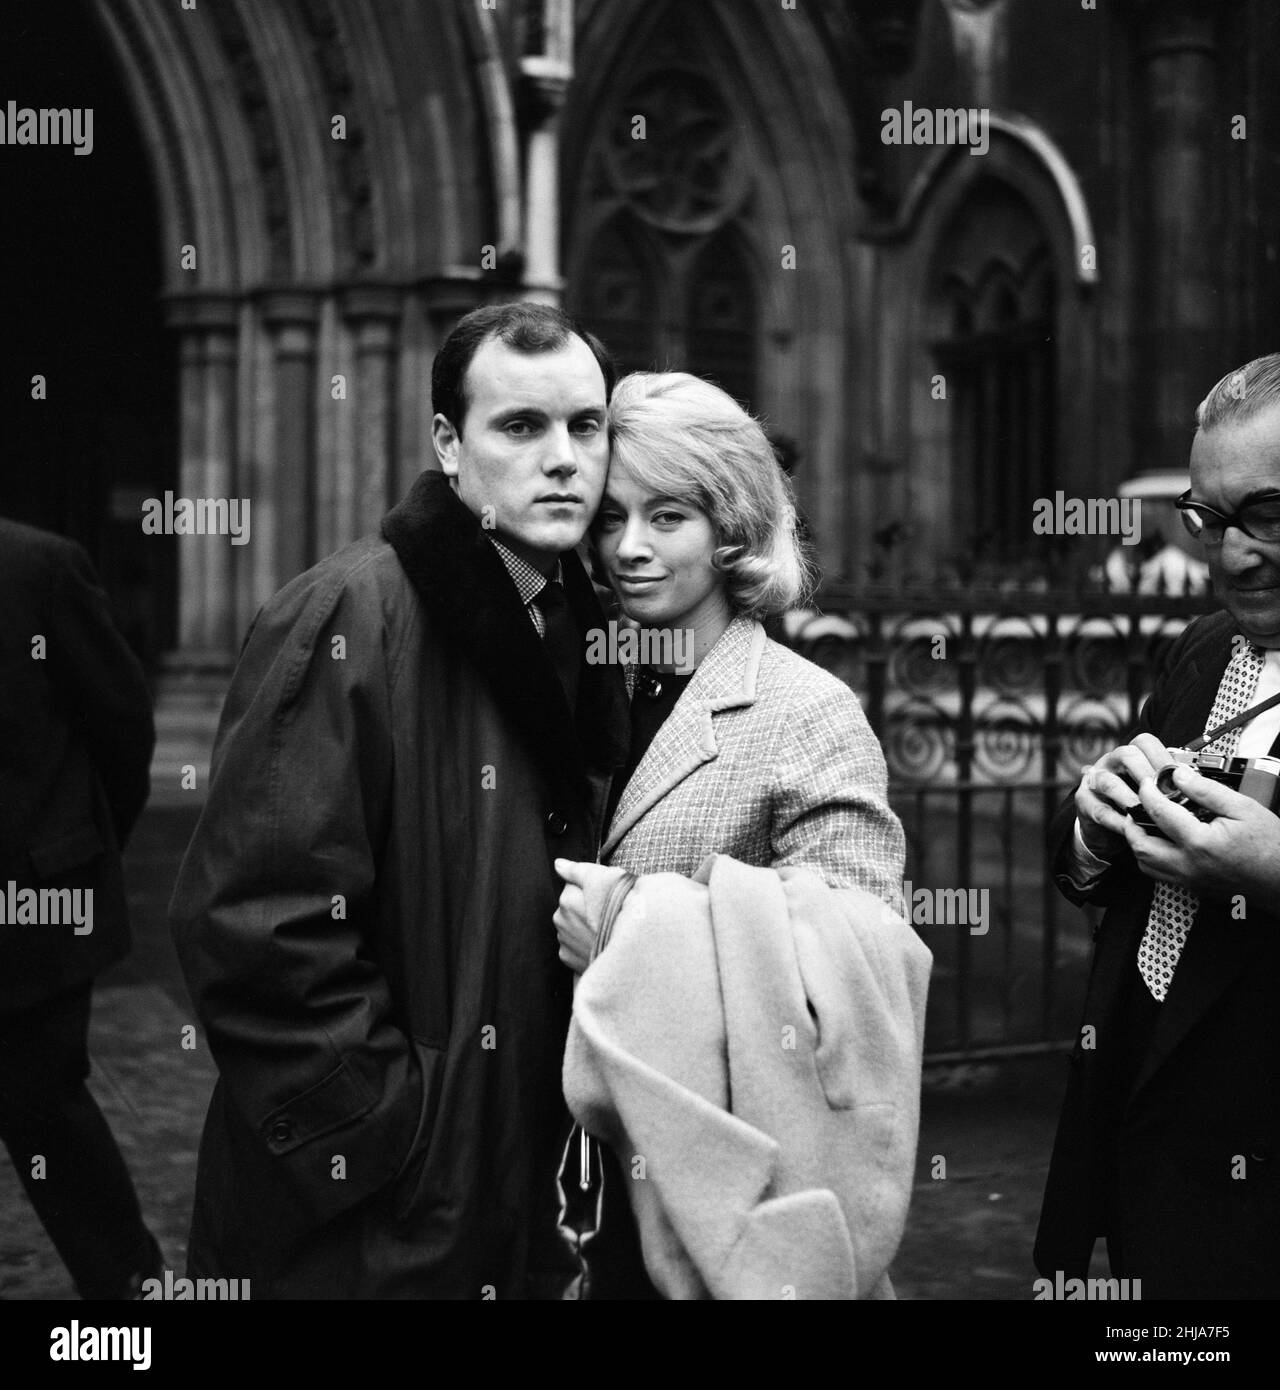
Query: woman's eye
(668, 518)
(606, 521)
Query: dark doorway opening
(79, 299)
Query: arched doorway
(87, 371)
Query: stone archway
(321, 222)
(87, 379)
(329, 175)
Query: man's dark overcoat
(364, 920)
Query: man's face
(1230, 465)
(534, 450)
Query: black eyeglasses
(1259, 519)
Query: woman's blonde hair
(681, 437)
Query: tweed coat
(76, 736)
(1181, 1161)
(769, 759)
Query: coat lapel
(726, 679)
(469, 594)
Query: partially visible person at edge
(752, 752)
(1166, 1146)
(364, 914)
(76, 735)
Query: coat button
(556, 823)
(282, 1131)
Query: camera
(1256, 778)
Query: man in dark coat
(1167, 1144)
(76, 736)
(365, 912)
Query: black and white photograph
(639, 660)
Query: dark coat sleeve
(1116, 881)
(273, 908)
(102, 687)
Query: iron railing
(987, 703)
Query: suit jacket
(769, 759)
(1180, 1161)
(76, 736)
(754, 1038)
(364, 921)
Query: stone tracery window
(665, 277)
(619, 296)
(723, 315)
(682, 170)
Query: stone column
(546, 77)
(207, 619)
(1183, 140)
(194, 679)
(374, 313)
(292, 317)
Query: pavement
(986, 1128)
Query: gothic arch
(317, 259)
(787, 182)
(237, 102)
(1027, 171)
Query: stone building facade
(315, 190)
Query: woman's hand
(586, 892)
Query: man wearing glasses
(1167, 1143)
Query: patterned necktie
(1173, 908)
(563, 640)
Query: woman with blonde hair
(751, 751)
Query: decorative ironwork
(987, 704)
(931, 665)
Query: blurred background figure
(76, 736)
(1165, 560)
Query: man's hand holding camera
(1107, 790)
(1237, 851)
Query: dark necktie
(564, 641)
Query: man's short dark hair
(524, 326)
